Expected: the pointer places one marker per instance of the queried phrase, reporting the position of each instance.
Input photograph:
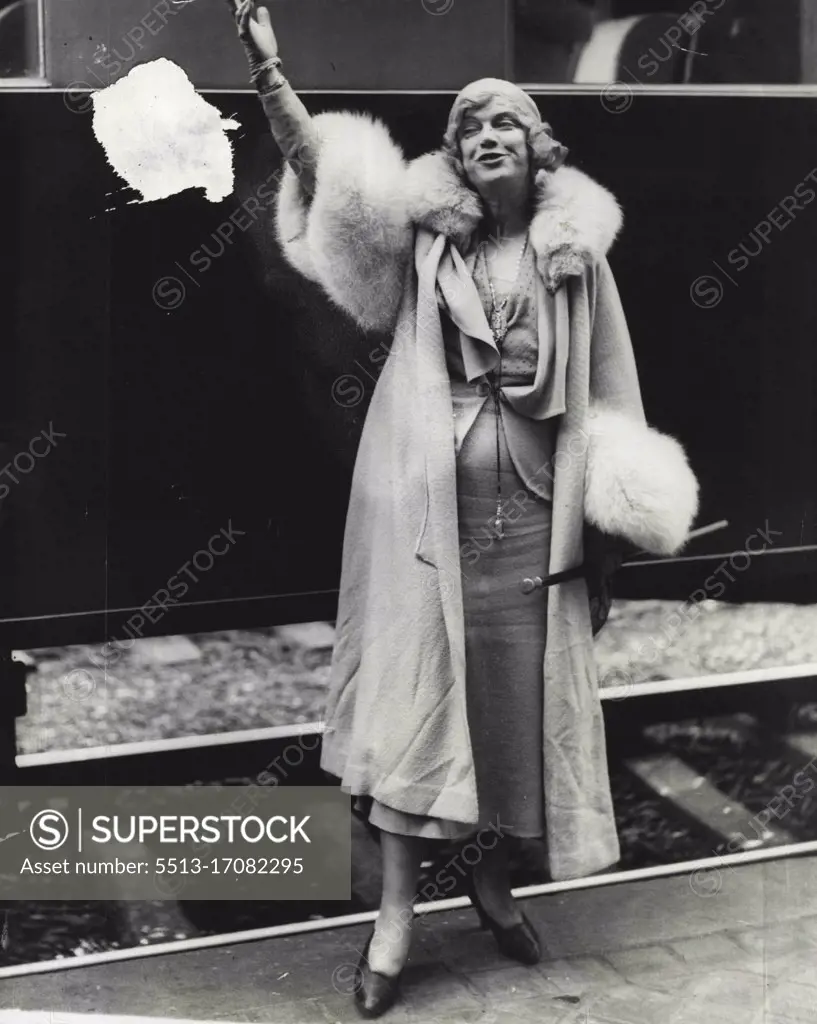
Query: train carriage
(169, 378)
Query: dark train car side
(195, 380)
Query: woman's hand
(603, 556)
(255, 33)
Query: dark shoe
(517, 941)
(376, 992)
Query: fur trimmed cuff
(638, 483)
(355, 235)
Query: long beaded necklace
(499, 328)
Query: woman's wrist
(267, 74)
(269, 82)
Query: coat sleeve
(293, 130)
(613, 372)
(638, 483)
(342, 212)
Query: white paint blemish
(161, 136)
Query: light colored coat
(373, 236)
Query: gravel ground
(58, 928)
(242, 680)
(249, 679)
(648, 640)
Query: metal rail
(240, 753)
(146, 748)
(746, 677)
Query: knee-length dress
(505, 626)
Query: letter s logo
(48, 829)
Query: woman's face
(493, 145)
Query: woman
(506, 421)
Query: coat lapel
(464, 306)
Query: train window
(658, 42)
(19, 40)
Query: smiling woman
(461, 699)
(487, 138)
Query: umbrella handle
(531, 583)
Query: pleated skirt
(505, 632)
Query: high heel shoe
(376, 992)
(517, 941)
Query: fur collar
(575, 224)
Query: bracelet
(269, 85)
(268, 65)
(270, 88)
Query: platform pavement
(739, 947)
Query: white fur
(355, 236)
(576, 222)
(439, 200)
(638, 483)
(290, 225)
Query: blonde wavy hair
(545, 153)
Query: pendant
(499, 525)
(499, 324)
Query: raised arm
(342, 215)
(289, 120)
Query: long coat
(374, 235)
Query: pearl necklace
(499, 322)
(499, 328)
